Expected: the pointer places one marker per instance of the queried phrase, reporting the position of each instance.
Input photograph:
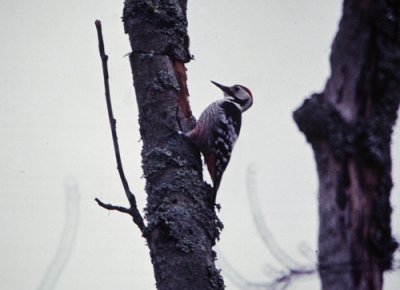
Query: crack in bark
(349, 126)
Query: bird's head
(238, 94)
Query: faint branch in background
(237, 278)
(268, 239)
(281, 279)
(132, 210)
(67, 238)
(307, 252)
(278, 279)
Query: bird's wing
(225, 133)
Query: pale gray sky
(54, 126)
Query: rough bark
(181, 225)
(349, 126)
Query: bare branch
(113, 207)
(133, 210)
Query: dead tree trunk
(181, 227)
(349, 126)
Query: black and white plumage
(218, 129)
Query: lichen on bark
(182, 225)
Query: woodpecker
(218, 129)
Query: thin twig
(113, 207)
(133, 210)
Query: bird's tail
(214, 192)
(209, 160)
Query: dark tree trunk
(349, 126)
(182, 227)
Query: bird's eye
(236, 88)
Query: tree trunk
(182, 227)
(349, 126)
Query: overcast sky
(56, 149)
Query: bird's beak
(223, 88)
